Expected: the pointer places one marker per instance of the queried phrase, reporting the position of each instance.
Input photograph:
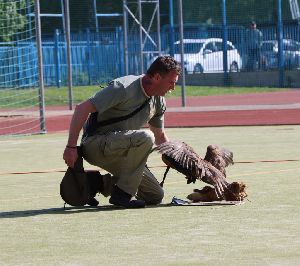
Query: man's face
(166, 83)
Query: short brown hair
(163, 65)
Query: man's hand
(70, 156)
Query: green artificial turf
(35, 230)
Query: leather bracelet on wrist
(71, 147)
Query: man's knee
(150, 190)
(148, 138)
(155, 198)
(151, 197)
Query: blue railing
(99, 57)
(18, 65)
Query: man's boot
(123, 199)
(93, 202)
(95, 180)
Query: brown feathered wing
(183, 158)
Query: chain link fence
(225, 42)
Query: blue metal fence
(18, 65)
(99, 57)
(95, 58)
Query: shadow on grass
(69, 210)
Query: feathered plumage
(236, 191)
(219, 157)
(183, 158)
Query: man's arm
(79, 117)
(159, 135)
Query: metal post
(181, 52)
(158, 29)
(69, 63)
(89, 54)
(144, 32)
(40, 67)
(62, 7)
(57, 63)
(125, 31)
(95, 14)
(19, 79)
(224, 43)
(120, 53)
(280, 44)
(141, 37)
(171, 29)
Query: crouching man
(114, 138)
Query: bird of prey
(180, 156)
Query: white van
(206, 55)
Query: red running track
(274, 108)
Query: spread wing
(184, 159)
(219, 157)
(182, 154)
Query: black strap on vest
(92, 123)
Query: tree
(11, 19)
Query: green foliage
(81, 15)
(11, 19)
(239, 12)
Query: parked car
(206, 55)
(291, 54)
